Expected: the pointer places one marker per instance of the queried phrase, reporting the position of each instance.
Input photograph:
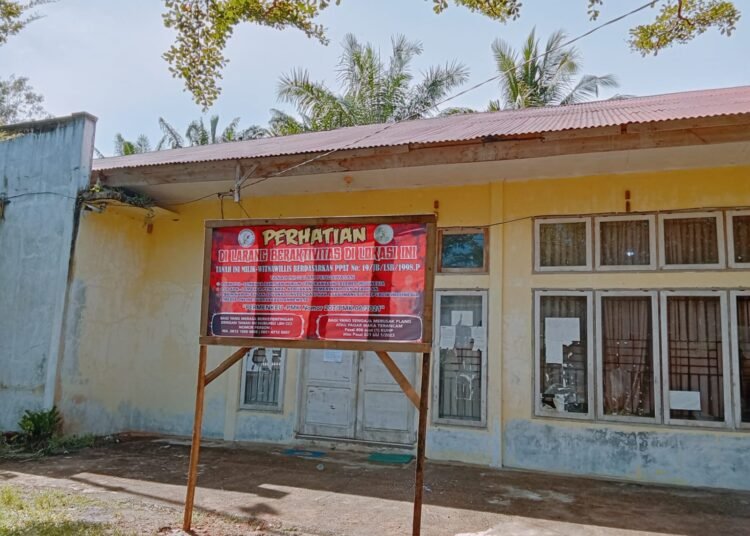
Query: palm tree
(543, 77)
(198, 134)
(124, 147)
(371, 91)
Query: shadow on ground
(351, 496)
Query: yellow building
(602, 250)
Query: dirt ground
(138, 487)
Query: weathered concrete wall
(41, 172)
(652, 453)
(134, 353)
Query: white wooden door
(384, 413)
(351, 395)
(329, 404)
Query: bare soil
(138, 487)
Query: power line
(461, 93)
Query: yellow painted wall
(134, 337)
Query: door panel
(330, 393)
(384, 413)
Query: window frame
(538, 222)
(735, 358)
(435, 411)
(485, 269)
(279, 406)
(728, 421)
(653, 254)
(731, 263)
(655, 351)
(539, 410)
(720, 240)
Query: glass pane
(262, 375)
(691, 241)
(627, 356)
(624, 243)
(741, 232)
(743, 346)
(696, 375)
(462, 251)
(564, 355)
(460, 388)
(562, 244)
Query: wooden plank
(401, 380)
(196, 441)
(206, 285)
(224, 366)
(318, 344)
(421, 434)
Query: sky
(104, 56)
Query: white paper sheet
(447, 337)
(465, 318)
(559, 332)
(689, 400)
(479, 335)
(333, 356)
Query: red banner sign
(325, 282)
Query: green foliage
(543, 76)
(204, 26)
(372, 90)
(125, 147)
(18, 101)
(39, 427)
(198, 134)
(15, 15)
(682, 21)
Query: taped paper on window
(687, 400)
(559, 332)
(462, 318)
(447, 337)
(479, 336)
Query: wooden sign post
(249, 265)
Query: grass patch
(49, 513)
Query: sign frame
(429, 220)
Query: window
(263, 379)
(625, 243)
(738, 228)
(741, 355)
(461, 370)
(695, 357)
(463, 250)
(564, 379)
(627, 356)
(562, 244)
(692, 241)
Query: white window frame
(726, 343)
(279, 406)
(539, 410)
(718, 216)
(482, 422)
(734, 328)
(730, 238)
(650, 218)
(538, 222)
(655, 351)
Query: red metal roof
(457, 128)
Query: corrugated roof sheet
(457, 128)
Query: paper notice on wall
(479, 336)
(462, 318)
(559, 332)
(447, 337)
(333, 356)
(687, 400)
